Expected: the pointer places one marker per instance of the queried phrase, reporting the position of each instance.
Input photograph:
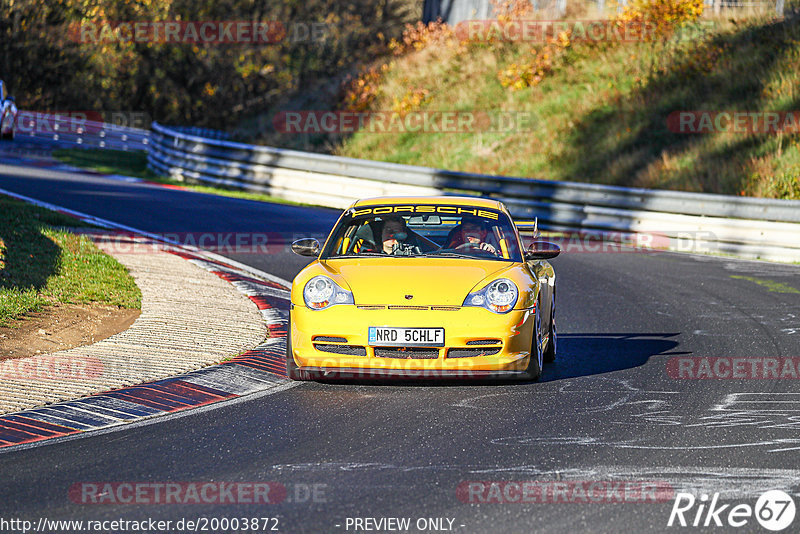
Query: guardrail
(69, 130)
(740, 226)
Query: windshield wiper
(451, 254)
(358, 255)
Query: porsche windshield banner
(425, 208)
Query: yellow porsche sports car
(422, 287)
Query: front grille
(408, 307)
(348, 350)
(483, 342)
(331, 339)
(445, 308)
(408, 353)
(370, 307)
(472, 353)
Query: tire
(292, 371)
(6, 135)
(550, 350)
(534, 370)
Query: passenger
(471, 233)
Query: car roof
(443, 199)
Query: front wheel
(536, 361)
(10, 133)
(550, 350)
(292, 371)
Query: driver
(472, 232)
(396, 238)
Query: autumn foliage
(203, 84)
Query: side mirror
(542, 250)
(306, 247)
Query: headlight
(499, 297)
(321, 292)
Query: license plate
(403, 337)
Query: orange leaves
(507, 10)
(420, 35)
(361, 92)
(521, 75)
(662, 17)
(532, 71)
(411, 101)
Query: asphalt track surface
(607, 410)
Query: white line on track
(155, 418)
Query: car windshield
(424, 231)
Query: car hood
(431, 282)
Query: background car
(8, 114)
(423, 287)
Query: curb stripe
(164, 392)
(98, 408)
(26, 429)
(110, 403)
(39, 424)
(144, 398)
(70, 425)
(11, 439)
(72, 417)
(14, 434)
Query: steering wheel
(477, 247)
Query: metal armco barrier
(69, 131)
(745, 227)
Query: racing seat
(364, 239)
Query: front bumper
(478, 343)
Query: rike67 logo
(774, 510)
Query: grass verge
(135, 164)
(42, 264)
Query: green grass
(771, 285)
(601, 115)
(41, 265)
(134, 164)
(127, 163)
